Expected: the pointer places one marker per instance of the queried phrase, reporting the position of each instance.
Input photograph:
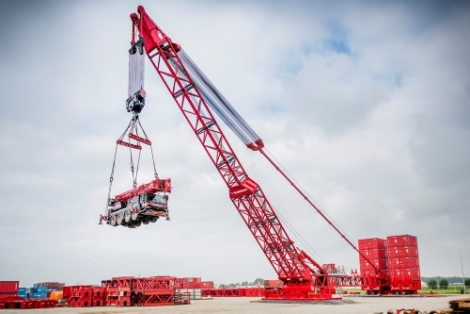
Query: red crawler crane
(196, 97)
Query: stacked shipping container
(207, 284)
(396, 256)
(38, 293)
(78, 296)
(19, 303)
(404, 263)
(375, 250)
(49, 286)
(9, 288)
(14, 297)
(23, 292)
(192, 286)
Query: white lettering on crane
(240, 191)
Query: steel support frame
(154, 298)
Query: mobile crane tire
(135, 216)
(127, 216)
(146, 221)
(113, 221)
(119, 219)
(137, 223)
(154, 219)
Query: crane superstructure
(197, 98)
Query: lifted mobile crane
(303, 278)
(148, 202)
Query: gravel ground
(357, 305)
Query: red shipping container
(405, 250)
(412, 273)
(405, 283)
(403, 262)
(396, 272)
(374, 252)
(379, 263)
(371, 243)
(368, 272)
(66, 292)
(9, 287)
(402, 240)
(207, 284)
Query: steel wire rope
(151, 150)
(297, 235)
(226, 104)
(290, 227)
(111, 178)
(310, 197)
(181, 72)
(233, 120)
(230, 116)
(140, 151)
(218, 102)
(131, 159)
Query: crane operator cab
(156, 201)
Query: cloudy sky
(365, 103)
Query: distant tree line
(444, 282)
(432, 282)
(256, 282)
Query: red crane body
(303, 277)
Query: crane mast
(195, 96)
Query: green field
(449, 290)
(425, 290)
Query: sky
(365, 103)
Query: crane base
(306, 301)
(310, 297)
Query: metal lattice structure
(302, 276)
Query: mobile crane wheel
(127, 216)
